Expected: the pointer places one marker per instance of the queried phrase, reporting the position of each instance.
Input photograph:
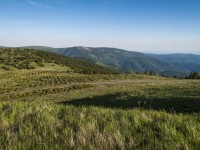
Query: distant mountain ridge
(188, 62)
(127, 61)
(130, 61)
(118, 58)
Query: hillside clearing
(51, 109)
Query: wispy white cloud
(34, 3)
(16, 22)
(22, 22)
(47, 3)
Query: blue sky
(155, 26)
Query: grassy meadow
(33, 125)
(48, 109)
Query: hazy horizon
(149, 52)
(148, 26)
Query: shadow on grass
(123, 101)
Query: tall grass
(46, 109)
(31, 125)
(16, 84)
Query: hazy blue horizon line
(140, 51)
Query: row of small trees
(193, 75)
(151, 72)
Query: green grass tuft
(33, 125)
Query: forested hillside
(126, 61)
(188, 62)
(22, 58)
(179, 65)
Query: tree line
(193, 75)
(22, 58)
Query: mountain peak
(83, 48)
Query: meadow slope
(47, 109)
(49, 101)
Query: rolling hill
(127, 61)
(24, 58)
(188, 62)
(130, 61)
(118, 58)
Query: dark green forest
(22, 58)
